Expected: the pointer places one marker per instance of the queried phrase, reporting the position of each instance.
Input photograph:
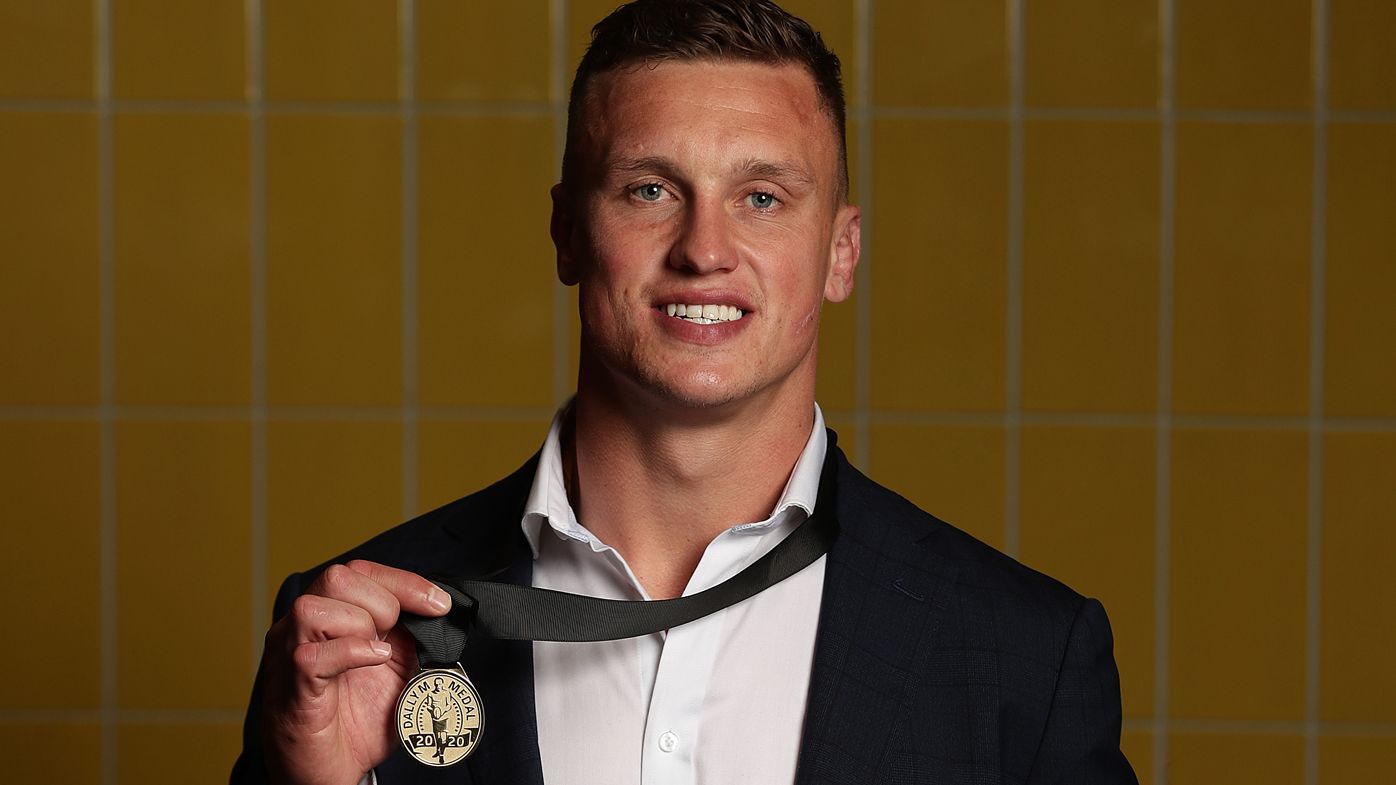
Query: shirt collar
(547, 499)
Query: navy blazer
(937, 658)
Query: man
(703, 215)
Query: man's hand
(335, 666)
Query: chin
(700, 390)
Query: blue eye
(650, 192)
(762, 200)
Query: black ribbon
(506, 611)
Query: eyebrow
(648, 163)
(752, 167)
(776, 170)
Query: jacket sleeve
(1081, 743)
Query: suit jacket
(937, 658)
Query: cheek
(806, 288)
(811, 317)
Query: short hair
(751, 30)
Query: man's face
(709, 189)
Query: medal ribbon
(508, 612)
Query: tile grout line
(1013, 354)
(106, 264)
(1314, 523)
(407, 102)
(260, 602)
(557, 106)
(1163, 443)
(862, 275)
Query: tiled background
(272, 272)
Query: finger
(338, 582)
(317, 618)
(317, 661)
(414, 593)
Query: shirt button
(668, 741)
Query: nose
(704, 243)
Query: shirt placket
(673, 725)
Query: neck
(659, 487)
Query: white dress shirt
(719, 701)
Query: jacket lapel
(495, 548)
(880, 611)
(503, 672)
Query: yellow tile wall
(450, 455)
(49, 295)
(487, 268)
(1091, 53)
(331, 50)
(1088, 519)
(1201, 759)
(271, 272)
(179, 49)
(51, 483)
(1363, 36)
(177, 754)
(953, 472)
(182, 495)
(1354, 760)
(46, 49)
(942, 265)
(183, 216)
(1241, 308)
(1360, 367)
(939, 53)
(334, 272)
(54, 752)
(1138, 747)
(1090, 266)
(483, 51)
(1237, 636)
(1359, 606)
(1243, 54)
(330, 486)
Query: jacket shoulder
(978, 568)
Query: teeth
(704, 314)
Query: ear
(560, 227)
(844, 250)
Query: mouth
(707, 313)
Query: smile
(703, 314)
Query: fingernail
(439, 600)
(381, 648)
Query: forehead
(707, 110)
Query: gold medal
(439, 716)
